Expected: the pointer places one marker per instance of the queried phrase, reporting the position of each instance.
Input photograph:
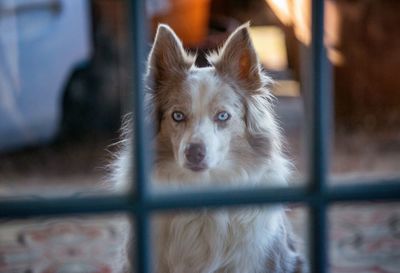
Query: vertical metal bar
(319, 244)
(319, 137)
(139, 51)
(142, 237)
(321, 101)
(141, 159)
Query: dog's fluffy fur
(244, 150)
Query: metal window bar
(140, 204)
(319, 122)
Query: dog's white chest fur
(234, 241)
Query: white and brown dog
(215, 126)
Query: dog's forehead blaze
(208, 92)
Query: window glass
(229, 239)
(64, 83)
(262, 139)
(73, 244)
(366, 109)
(364, 237)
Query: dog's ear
(167, 59)
(238, 60)
(168, 62)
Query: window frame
(140, 204)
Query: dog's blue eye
(223, 116)
(178, 116)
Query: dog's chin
(196, 168)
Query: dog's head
(213, 117)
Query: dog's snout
(195, 153)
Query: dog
(214, 126)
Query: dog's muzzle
(195, 154)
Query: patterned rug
(364, 239)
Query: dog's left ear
(238, 60)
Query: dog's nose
(195, 153)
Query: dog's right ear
(168, 59)
(168, 62)
(238, 60)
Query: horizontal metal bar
(63, 206)
(365, 192)
(199, 199)
(342, 181)
(228, 198)
(240, 197)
